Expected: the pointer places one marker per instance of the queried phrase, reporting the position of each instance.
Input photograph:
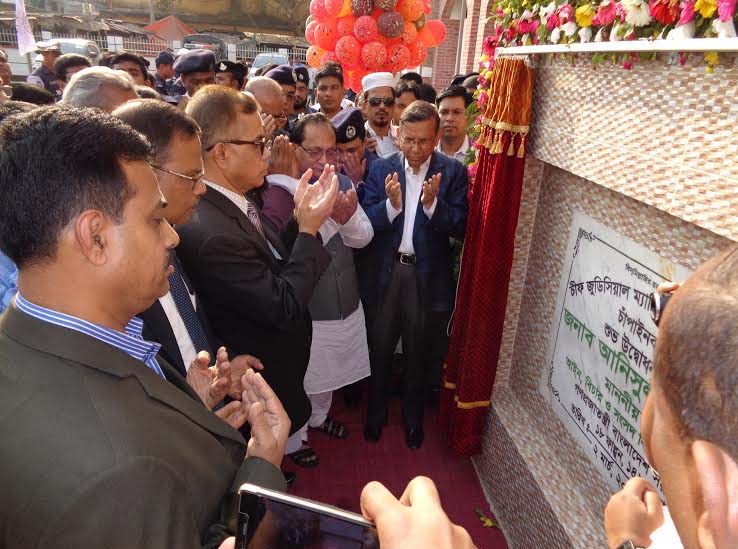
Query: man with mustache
(452, 103)
(379, 106)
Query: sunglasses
(376, 101)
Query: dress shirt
(357, 232)
(131, 342)
(243, 205)
(184, 341)
(413, 192)
(8, 281)
(385, 145)
(459, 155)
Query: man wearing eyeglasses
(339, 354)
(255, 289)
(416, 200)
(379, 106)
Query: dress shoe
(289, 477)
(372, 433)
(414, 437)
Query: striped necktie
(253, 216)
(183, 301)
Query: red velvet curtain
(494, 202)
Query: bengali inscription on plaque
(600, 355)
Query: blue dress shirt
(8, 281)
(131, 342)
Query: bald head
(267, 93)
(696, 360)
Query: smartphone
(272, 520)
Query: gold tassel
(511, 148)
(491, 140)
(521, 148)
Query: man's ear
(91, 231)
(717, 477)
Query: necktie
(253, 216)
(181, 297)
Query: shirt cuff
(429, 211)
(392, 212)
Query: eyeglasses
(375, 101)
(331, 155)
(262, 143)
(195, 180)
(422, 143)
(658, 304)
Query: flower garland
(532, 22)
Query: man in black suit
(100, 449)
(177, 320)
(254, 288)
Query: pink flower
(566, 12)
(627, 65)
(478, 121)
(482, 99)
(726, 9)
(500, 13)
(605, 14)
(473, 170)
(687, 12)
(620, 12)
(553, 21)
(489, 45)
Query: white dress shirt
(385, 145)
(242, 204)
(413, 192)
(459, 155)
(357, 232)
(184, 341)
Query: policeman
(230, 74)
(286, 77)
(351, 140)
(44, 76)
(197, 69)
(164, 72)
(302, 90)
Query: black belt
(406, 259)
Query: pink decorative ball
(365, 29)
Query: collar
(423, 167)
(462, 150)
(373, 133)
(238, 199)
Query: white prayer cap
(378, 80)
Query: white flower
(614, 36)
(636, 12)
(682, 32)
(527, 15)
(599, 37)
(569, 28)
(724, 29)
(585, 34)
(555, 35)
(548, 10)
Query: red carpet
(347, 465)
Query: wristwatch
(627, 544)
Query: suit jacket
(256, 303)
(430, 236)
(99, 451)
(158, 328)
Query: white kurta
(339, 353)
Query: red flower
(664, 11)
(605, 14)
(489, 45)
(553, 21)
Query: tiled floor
(347, 465)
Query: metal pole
(462, 25)
(152, 18)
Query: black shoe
(289, 477)
(372, 433)
(414, 437)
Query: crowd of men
(179, 280)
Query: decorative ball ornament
(385, 5)
(373, 55)
(348, 50)
(418, 53)
(345, 9)
(409, 32)
(391, 24)
(362, 7)
(438, 30)
(329, 57)
(326, 34)
(420, 22)
(366, 29)
(317, 10)
(310, 32)
(398, 57)
(345, 25)
(410, 9)
(333, 7)
(314, 56)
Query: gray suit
(99, 451)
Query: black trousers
(399, 312)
